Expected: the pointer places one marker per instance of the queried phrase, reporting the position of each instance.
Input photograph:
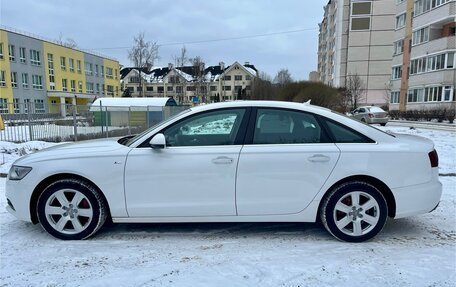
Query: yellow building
(48, 76)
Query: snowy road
(416, 251)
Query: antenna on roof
(308, 102)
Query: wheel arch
(384, 189)
(50, 179)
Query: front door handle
(222, 160)
(319, 158)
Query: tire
(363, 120)
(354, 211)
(383, 124)
(71, 209)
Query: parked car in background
(371, 115)
(246, 161)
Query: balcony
(433, 46)
(448, 9)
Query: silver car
(371, 115)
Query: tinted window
(274, 126)
(213, 128)
(343, 134)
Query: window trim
(239, 139)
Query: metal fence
(27, 122)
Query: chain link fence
(63, 122)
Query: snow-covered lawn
(416, 251)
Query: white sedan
(247, 161)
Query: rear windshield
(376, 110)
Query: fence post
(107, 131)
(129, 117)
(75, 128)
(101, 118)
(147, 118)
(29, 116)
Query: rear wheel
(383, 124)
(71, 209)
(354, 211)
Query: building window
(51, 72)
(448, 93)
(149, 89)
(213, 88)
(115, 74)
(110, 90)
(415, 95)
(71, 64)
(102, 71)
(227, 78)
(80, 86)
(26, 105)
(179, 89)
(64, 85)
(89, 88)
(418, 66)
(169, 88)
(98, 88)
(14, 79)
(396, 73)
(63, 63)
(227, 88)
(109, 73)
(400, 21)
(12, 56)
(1, 51)
(78, 66)
(73, 85)
(16, 106)
(39, 106)
(35, 57)
(22, 56)
(191, 88)
(88, 69)
(398, 47)
(37, 82)
(96, 70)
(4, 106)
(2, 79)
(420, 36)
(25, 80)
(360, 23)
(450, 60)
(248, 77)
(436, 62)
(361, 8)
(395, 95)
(238, 77)
(422, 6)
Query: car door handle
(319, 158)
(222, 160)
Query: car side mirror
(158, 141)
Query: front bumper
(417, 199)
(18, 194)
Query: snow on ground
(415, 251)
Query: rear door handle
(222, 160)
(319, 158)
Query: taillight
(371, 115)
(434, 158)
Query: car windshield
(138, 136)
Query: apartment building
(423, 73)
(43, 75)
(192, 84)
(356, 38)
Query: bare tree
(354, 91)
(68, 42)
(262, 88)
(143, 56)
(283, 77)
(181, 59)
(199, 77)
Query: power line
(216, 40)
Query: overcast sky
(108, 27)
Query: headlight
(18, 172)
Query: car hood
(85, 149)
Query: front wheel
(354, 211)
(71, 209)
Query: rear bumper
(378, 120)
(417, 199)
